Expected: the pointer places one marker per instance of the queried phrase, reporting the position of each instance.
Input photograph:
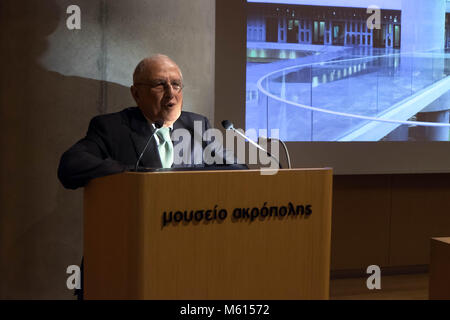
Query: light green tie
(165, 147)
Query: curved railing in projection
(357, 99)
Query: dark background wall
(387, 220)
(53, 81)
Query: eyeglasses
(161, 86)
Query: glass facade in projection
(320, 73)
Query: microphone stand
(229, 126)
(158, 125)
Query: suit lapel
(176, 125)
(185, 122)
(140, 132)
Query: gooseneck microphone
(288, 158)
(158, 124)
(229, 126)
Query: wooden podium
(233, 234)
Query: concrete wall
(53, 81)
(423, 25)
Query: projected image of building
(321, 25)
(349, 71)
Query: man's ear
(135, 93)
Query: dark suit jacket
(113, 144)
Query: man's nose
(168, 90)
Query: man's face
(158, 92)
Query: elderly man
(114, 142)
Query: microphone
(158, 124)
(229, 126)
